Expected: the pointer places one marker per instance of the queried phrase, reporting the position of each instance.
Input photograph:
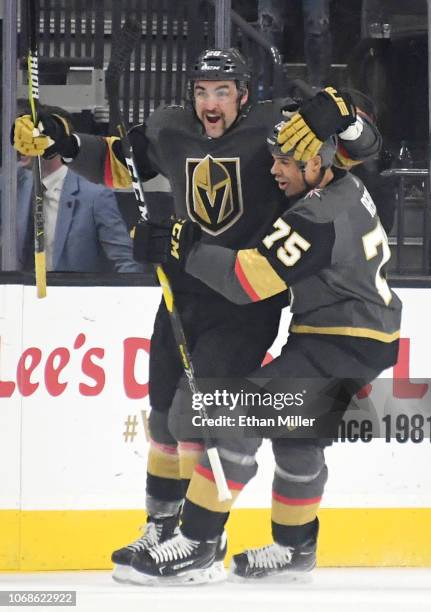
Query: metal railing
(82, 32)
(74, 33)
(72, 30)
(75, 39)
(180, 30)
(268, 76)
(157, 69)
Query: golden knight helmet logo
(214, 195)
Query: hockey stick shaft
(120, 56)
(32, 15)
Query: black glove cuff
(67, 147)
(327, 116)
(165, 242)
(183, 237)
(57, 128)
(149, 244)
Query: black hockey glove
(52, 137)
(165, 242)
(329, 112)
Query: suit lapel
(25, 217)
(66, 209)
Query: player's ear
(244, 97)
(315, 163)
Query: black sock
(200, 524)
(164, 489)
(288, 535)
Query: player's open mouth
(213, 119)
(282, 185)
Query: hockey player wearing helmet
(216, 105)
(327, 249)
(213, 153)
(297, 177)
(218, 89)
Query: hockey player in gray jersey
(328, 250)
(214, 155)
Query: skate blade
(121, 573)
(283, 577)
(215, 573)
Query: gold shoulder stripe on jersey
(358, 332)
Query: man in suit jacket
(83, 226)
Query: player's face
(216, 104)
(288, 175)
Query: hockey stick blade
(121, 53)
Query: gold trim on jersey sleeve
(358, 332)
(343, 161)
(259, 274)
(120, 176)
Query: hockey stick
(122, 51)
(32, 18)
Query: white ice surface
(328, 590)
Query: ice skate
(156, 531)
(180, 561)
(275, 560)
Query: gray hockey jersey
(329, 251)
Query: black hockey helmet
(220, 65)
(327, 150)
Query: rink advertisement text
(401, 428)
(79, 366)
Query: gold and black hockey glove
(51, 137)
(165, 242)
(329, 112)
